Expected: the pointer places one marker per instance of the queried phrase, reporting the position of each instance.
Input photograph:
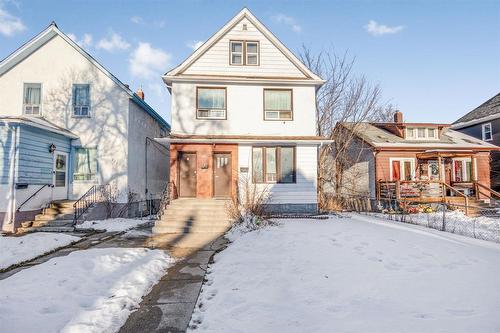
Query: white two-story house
(67, 124)
(243, 110)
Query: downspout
(146, 168)
(12, 177)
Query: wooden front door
(187, 175)
(222, 175)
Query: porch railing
(166, 197)
(490, 194)
(95, 194)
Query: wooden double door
(188, 175)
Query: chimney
(140, 93)
(398, 117)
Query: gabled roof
(244, 13)
(450, 139)
(489, 110)
(38, 122)
(50, 32)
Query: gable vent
(245, 27)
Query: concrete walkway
(168, 307)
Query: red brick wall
(204, 156)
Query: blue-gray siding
(6, 144)
(35, 162)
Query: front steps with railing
(58, 217)
(193, 215)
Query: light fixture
(52, 148)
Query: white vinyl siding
(272, 62)
(303, 191)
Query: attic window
(244, 53)
(421, 133)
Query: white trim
(232, 79)
(244, 13)
(40, 113)
(483, 132)
(464, 168)
(475, 121)
(401, 168)
(32, 123)
(426, 136)
(241, 141)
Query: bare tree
(344, 98)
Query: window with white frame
(421, 133)
(211, 103)
(81, 100)
(402, 169)
(85, 164)
(32, 99)
(252, 53)
(462, 170)
(487, 132)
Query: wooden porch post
(473, 175)
(439, 168)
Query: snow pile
(457, 222)
(247, 223)
(350, 275)
(117, 224)
(87, 291)
(14, 250)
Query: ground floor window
(273, 164)
(462, 170)
(402, 169)
(85, 164)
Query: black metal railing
(32, 196)
(165, 199)
(95, 194)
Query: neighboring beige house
(66, 125)
(243, 108)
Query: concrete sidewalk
(169, 305)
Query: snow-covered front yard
(116, 224)
(351, 275)
(87, 291)
(14, 250)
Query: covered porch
(437, 176)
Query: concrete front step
(62, 204)
(182, 224)
(50, 217)
(55, 229)
(56, 223)
(60, 210)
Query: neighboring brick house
(416, 161)
(484, 123)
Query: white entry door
(60, 181)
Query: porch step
(62, 204)
(50, 217)
(191, 215)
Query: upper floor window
(211, 103)
(487, 132)
(421, 133)
(32, 100)
(278, 104)
(81, 100)
(244, 53)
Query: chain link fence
(481, 222)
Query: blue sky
(435, 60)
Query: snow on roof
(38, 122)
(378, 137)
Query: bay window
(278, 104)
(211, 103)
(273, 164)
(85, 164)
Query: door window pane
(60, 172)
(407, 170)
